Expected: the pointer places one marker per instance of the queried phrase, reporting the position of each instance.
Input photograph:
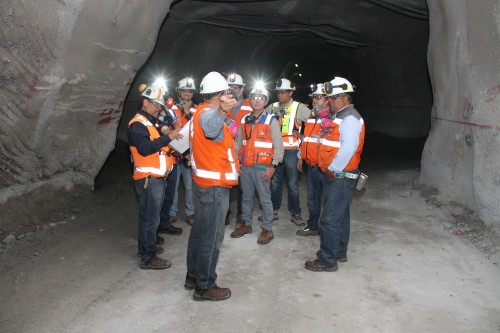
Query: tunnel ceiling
(379, 45)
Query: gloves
(233, 126)
(326, 123)
(323, 113)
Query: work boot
(339, 259)
(159, 240)
(297, 219)
(155, 263)
(239, 220)
(190, 282)
(265, 236)
(213, 294)
(190, 219)
(171, 230)
(240, 230)
(307, 232)
(318, 266)
(158, 250)
(275, 216)
(173, 219)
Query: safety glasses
(257, 97)
(318, 97)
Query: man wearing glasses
(291, 115)
(309, 153)
(261, 151)
(184, 109)
(340, 155)
(152, 165)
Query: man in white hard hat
(261, 151)
(184, 108)
(291, 115)
(309, 154)
(152, 165)
(341, 148)
(240, 110)
(215, 171)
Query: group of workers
(229, 141)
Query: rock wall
(461, 156)
(66, 67)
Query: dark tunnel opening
(380, 49)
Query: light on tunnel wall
(296, 65)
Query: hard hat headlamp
(328, 87)
(232, 77)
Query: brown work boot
(155, 263)
(159, 240)
(190, 282)
(158, 250)
(190, 220)
(339, 259)
(265, 236)
(213, 294)
(173, 219)
(318, 266)
(171, 230)
(307, 232)
(241, 229)
(297, 220)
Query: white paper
(181, 145)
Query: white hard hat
(157, 92)
(284, 84)
(186, 83)
(233, 78)
(318, 91)
(338, 85)
(213, 82)
(258, 89)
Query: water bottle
(361, 181)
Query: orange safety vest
(309, 149)
(241, 113)
(158, 164)
(257, 142)
(288, 125)
(213, 163)
(330, 143)
(181, 115)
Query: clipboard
(181, 145)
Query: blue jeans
(289, 170)
(151, 192)
(250, 182)
(314, 194)
(335, 220)
(187, 178)
(211, 205)
(168, 198)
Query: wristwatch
(274, 166)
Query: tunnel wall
(66, 67)
(461, 156)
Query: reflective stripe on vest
(258, 149)
(289, 141)
(212, 166)
(156, 164)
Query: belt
(344, 174)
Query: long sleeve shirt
(350, 128)
(138, 136)
(212, 123)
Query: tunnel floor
(411, 267)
